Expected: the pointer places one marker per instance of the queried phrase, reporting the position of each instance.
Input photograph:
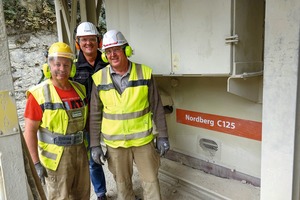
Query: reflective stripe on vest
(55, 106)
(60, 140)
(128, 137)
(126, 117)
(48, 104)
(47, 154)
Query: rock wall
(26, 57)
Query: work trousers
(147, 160)
(71, 180)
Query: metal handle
(232, 39)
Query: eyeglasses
(85, 40)
(111, 51)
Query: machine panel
(199, 29)
(146, 26)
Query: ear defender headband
(47, 73)
(127, 51)
(99, 41)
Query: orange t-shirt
(69, 98)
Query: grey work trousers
(147, 160)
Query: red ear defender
(77, 45)
(100, 43)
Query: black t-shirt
(84, 71)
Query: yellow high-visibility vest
(56, 119)
(127, 119)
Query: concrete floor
(179, 182)
(169, 188)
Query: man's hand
(41, 172)
(162, 145)
(98, 155)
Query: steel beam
(67, 17)
(12, 173)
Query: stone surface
(26, 60)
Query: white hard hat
(86, 28)
(113, 38)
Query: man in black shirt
(89, 61)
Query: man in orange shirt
(55, 117)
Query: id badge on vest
(76, 113)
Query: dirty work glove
(162, 145)
(41, 171)
(98, 155)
